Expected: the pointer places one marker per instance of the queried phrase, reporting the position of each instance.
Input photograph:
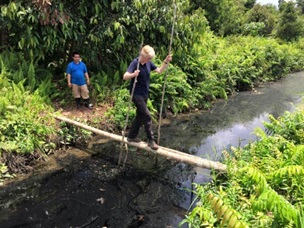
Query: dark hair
(75, 53)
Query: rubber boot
(87, 103)
(78, 103)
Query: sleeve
(69, 69)
(85, 70)
(153, 67)
(132, 67)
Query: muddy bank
(91, 191)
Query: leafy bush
(290, 126)
(178, 95)
(254, 28)
(26, 123)
(121, 108)
(263, 186)
(290, 26)
(69, 134)
(216, 69)
(239, 63)
(17, 69)
(25, 120)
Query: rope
(128, 114)
(165, 78)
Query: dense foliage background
(219, 47)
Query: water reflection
(237, 135)
(232, 122)
(159, 193)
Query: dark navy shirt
(143, 79)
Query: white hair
(148, 51)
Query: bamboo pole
(166, 152)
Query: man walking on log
(141, 67)
(78, 80)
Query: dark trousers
(143, 117)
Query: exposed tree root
(20, 163)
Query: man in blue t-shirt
(140, 68)
(78, 79)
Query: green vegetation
(71, 135)
(219, 47)
(206, 66)
(26, 124)
(263, 186)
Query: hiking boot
(87, 103)
(152, 144)
(89, 106)
(78, 105)
(134, 139)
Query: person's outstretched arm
(164, 65)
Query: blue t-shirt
(143, 79)
(77, 72)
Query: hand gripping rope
(128, 114)
(132, 93)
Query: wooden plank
(167, 152)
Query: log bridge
(163, 151)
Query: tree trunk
(169, 153)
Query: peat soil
(79, 189)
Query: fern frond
(225, 213)
(256, 175)
(260, 133)
(300, 221)
(298, 156)
(291, 170)
(270, 200)
(203, 213)
(236, 151)
(226, 155)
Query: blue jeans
(143, 117)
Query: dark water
(91, 191)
